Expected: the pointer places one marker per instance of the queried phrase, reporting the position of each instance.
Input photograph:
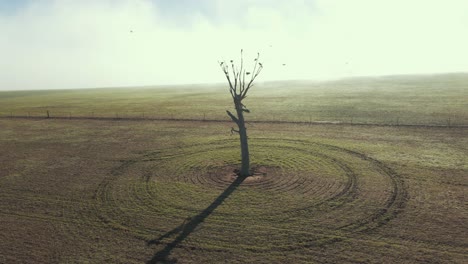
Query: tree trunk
(245, 168)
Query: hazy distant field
(136, 191)
(435, 100)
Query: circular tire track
(310, 194)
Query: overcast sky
(47, 44)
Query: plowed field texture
(135, 190)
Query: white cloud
(67, 44)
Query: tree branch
(255, 73)
(255, 67)
(250, 85)
(225, 69)
(232, 117)
(233, 130)
(241, 85)
(235, 75)
(230, 84)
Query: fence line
(48, 115)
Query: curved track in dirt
(305, 194)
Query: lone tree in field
(240, 83)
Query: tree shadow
(188, 226)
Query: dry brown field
(121, 191)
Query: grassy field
(434, 100)
(145, 191)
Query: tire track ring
(312, 187)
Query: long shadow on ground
(189, 225)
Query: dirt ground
(103, 191)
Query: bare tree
(239, 85)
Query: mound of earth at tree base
(258, 173)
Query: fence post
(448, 122)
(48, 114)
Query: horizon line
(322, 80)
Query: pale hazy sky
(50, 44)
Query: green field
(153, 191)
(420, 100)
